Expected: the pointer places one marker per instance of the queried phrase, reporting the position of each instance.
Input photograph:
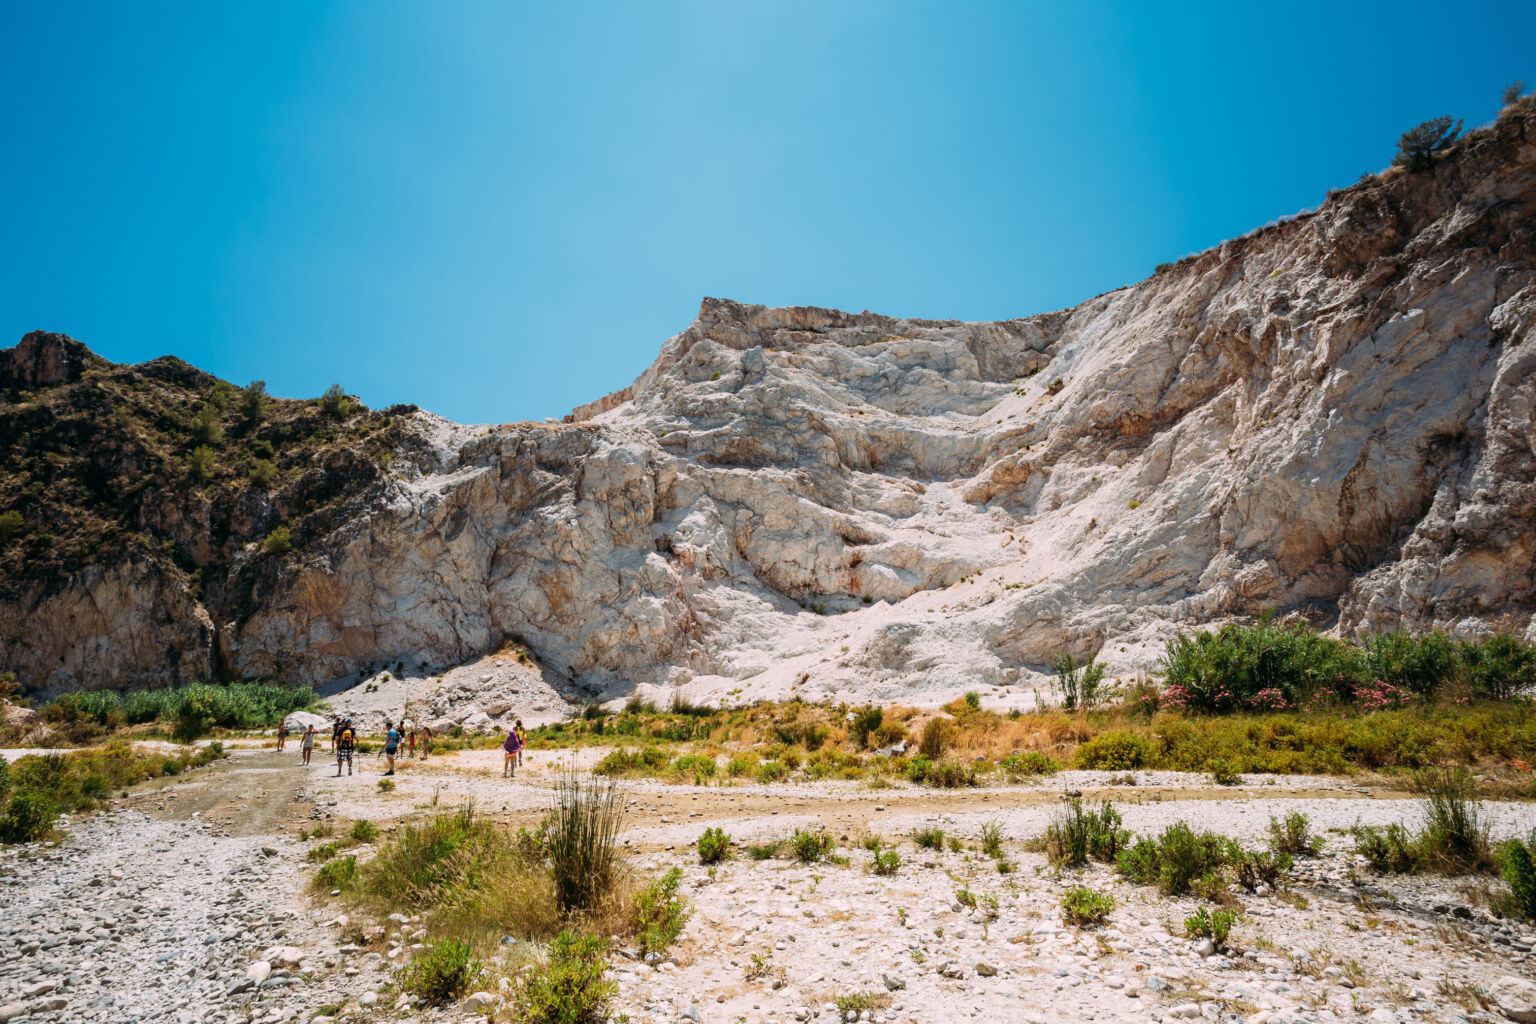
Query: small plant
(965, 898)
(1076, 835)
(872, 843)
(886, 863)
(955, 845)
(28, 817)
(1253, 869)
(322, 853)
(1292, 836)
(714, 846)
(571, 988)
(1029, 763)
(1114, 751)
(1518, 867)
(1455, 835)
(1173, 860)
(763, 851)
(659, 913)
(1214, 926)
(1084, 908)
(1224, 773)
(929, 838)
(1389, 850)
(442, 973)
(973, 700)
(278, 542)
(340, 873)
(810, 847)
(860, 1003)
(386, 785)
(935, 738)
(992, 839)
(364, 831)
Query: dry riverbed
(191, 901)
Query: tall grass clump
(1454, 838)
(583, 837)
(1075, 835)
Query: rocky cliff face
(1332, 415)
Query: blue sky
(501, 210)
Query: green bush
(917, 769)
(1029, 763)
(1114, 751)
(1454, 838)
(1224, 774)
(992, 839)
(1255, 868)
(340, 873)
(1293, 836)
(929, 838)
(700, 766)
(714, 846)
(886, 862)
(583, 836)
(1389, 850)
(1216, 927)
(572, 988)
(28, 818)
(1083, 908)
(1518, 867)
(364, 831)
(1173, 860)
(1416, 149)
(1079, 683)
(763, 851)
(278, 542)
(948, 774)
(866, 721)
(935, 738)
(810, 847)
(1075, 835)
(660, 913)
(443, 972)
(772, 771)
(1498, 667)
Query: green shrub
(583, 834)
(714, 846)
(1173, 860)
(621, 762)
(763, 851)
(1114, 751)
(1079, 683)
(1214, 926)
(950, 775)
(1083, 908)
(992, 839)
(1224, 774)
(278, 542)
(322, 853)
(1293, 836)
(335, 403)
(742, 764)
(364, 831)
(1454, 837)
(1518, 867)
(5, 779)
(572, 988)
(1497, 667)
(1029, 763)
(810, 847)
(1389, 850)
(917, 769)
(1255, 868)
(700, 766)
(660, 913)
(972, 700)
(929, 838)
(772, 771)
(1076, 835)
(443, 972)
(886, 862)
(866, 722)
(28, 818)
(340, 873)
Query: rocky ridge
(1331, 416)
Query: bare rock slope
(1332, 415)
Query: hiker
(522, 741)
(282, 733)
(412, 741)
(426, 741)
(391, 744)
(335, 731)
(307, 744)
(344, 737)
(511, 748)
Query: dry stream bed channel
(191, 900)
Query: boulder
(1515, 998)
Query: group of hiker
(344, 741)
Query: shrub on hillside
(1416, 149)
(1114, 751)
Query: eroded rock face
(1331, 415)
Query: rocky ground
(189, 900)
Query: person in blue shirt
(391, 744)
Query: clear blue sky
(500, 210)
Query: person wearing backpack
(344, 739)
(510, 748)
(522, 741)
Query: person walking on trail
(344, 738)
(411, 740)
(510, 748)
(307, 744)
(335, 732)
(282, 733)
(522, 740)
(426, 741)
(391, 744)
